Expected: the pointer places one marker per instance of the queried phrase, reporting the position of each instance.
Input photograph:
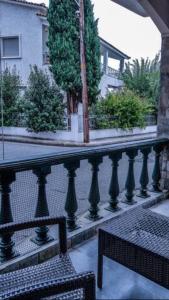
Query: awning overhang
(133, 5)
(156, 9)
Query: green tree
(64, 48)
(10, 83)
(43, 104)
(63, 45)
(143, 78)
(154, 80)
(93, 59)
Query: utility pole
(83, 74)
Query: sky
(134, 35)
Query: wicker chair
(55, 278)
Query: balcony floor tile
(119, 282)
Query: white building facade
(23, 37)
(21, 31)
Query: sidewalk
(97, 142)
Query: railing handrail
(113, 71)
(77, 154)
(41, 168)
(110, 71)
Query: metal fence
(107, 121)
(101, 122)
(151, 120)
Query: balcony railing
(20, 180)
(111, 72)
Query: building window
(10, 47)
(45, 49)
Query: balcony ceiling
(156, 9)
(112, 51)
(132, 5)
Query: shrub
(99, 118)
(10, 83)
(44, 106)
(125, 106)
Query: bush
(99, 118)
(126, 107)
(43, 106)
(10, 83)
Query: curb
(93, 143)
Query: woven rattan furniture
(55, 279)
(139, 240)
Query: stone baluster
(71, 205)
(130, 182)
(156, 176)
(42, 210)
(114, 183)
(94, 194)
(144, 179)
(6, 244)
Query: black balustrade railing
(71, 199)
(130, 182)
(94, 195)
(114, 184)
(144, 179)
(42, 210)
(42, 167)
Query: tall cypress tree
(92, 45)
(64, 48)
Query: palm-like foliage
(143, 77)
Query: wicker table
(139, 240)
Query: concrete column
(74, 126)
(80, 116)
(163, 111)
(121, 66)
(75, 134)
(105, 61)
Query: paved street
(20, 150)
(24, 189)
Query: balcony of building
(112, 66)
(99, 187)
(90, 187)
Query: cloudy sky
(132, 34)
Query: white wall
(115, 133)
(75, 136)
(108, 80)
(23, 21)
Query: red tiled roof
(29, 3)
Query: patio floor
(119, 282)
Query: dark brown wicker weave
(138, 239)
(55, 279)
